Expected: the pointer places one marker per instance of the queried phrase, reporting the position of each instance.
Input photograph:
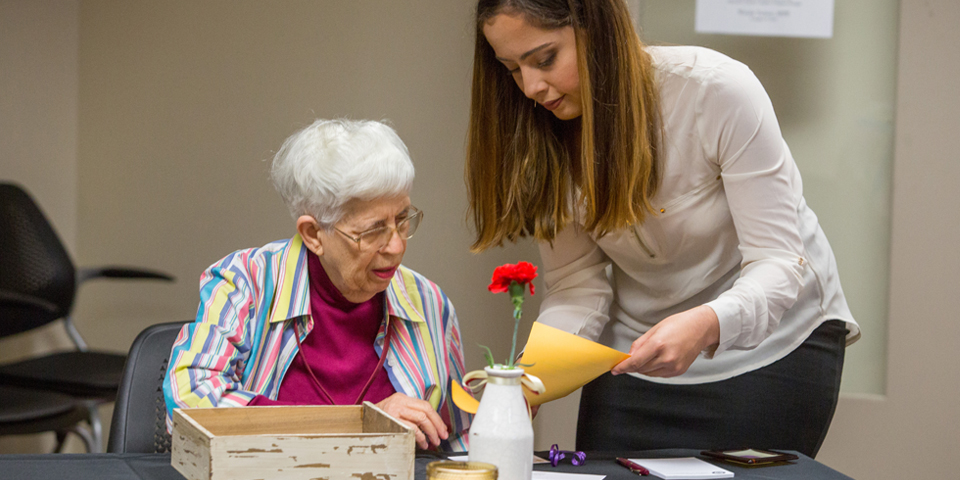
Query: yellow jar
(447, 470)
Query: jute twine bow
(476, 380)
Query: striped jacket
(242, 341)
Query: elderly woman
(329, 317)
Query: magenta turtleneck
(339, 349)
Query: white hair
(321, 168)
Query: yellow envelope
(563, 361)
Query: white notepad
(541, 475)
(688, 468)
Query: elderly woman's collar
(291, 298)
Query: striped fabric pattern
(242, 341)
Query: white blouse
(732, 231)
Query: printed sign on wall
(773, 18)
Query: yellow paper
(563, 361)
(462, 399)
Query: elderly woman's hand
(418, 414)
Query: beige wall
(180, 103)
(184, 102)
(835, 101)
(913, 424)
(39, 44)
(914, 429)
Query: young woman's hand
(668, 349)
(418, 414)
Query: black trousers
(786, 405)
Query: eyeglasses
(377, 238)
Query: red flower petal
(522, 273)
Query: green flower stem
(516, 296)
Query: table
(147, 466)
(603, 463)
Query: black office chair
(139, 416)
(25, 411)
(38, 283)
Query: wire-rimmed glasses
(379, 237)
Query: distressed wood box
(302, 442)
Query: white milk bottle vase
(501, 432)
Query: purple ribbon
(577, 459)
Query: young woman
(667, 165)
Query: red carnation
(512, 278)
(523, 273)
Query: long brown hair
(520, 160)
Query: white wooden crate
(301, 442)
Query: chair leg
(74, 334)
(89, 442)
(61, 439)
(88, 439)
(96, 426)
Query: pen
(634, 467)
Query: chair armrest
(114, 272)
(16, 299)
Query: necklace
(316, 381)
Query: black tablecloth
(603, 463)
(134, 466)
